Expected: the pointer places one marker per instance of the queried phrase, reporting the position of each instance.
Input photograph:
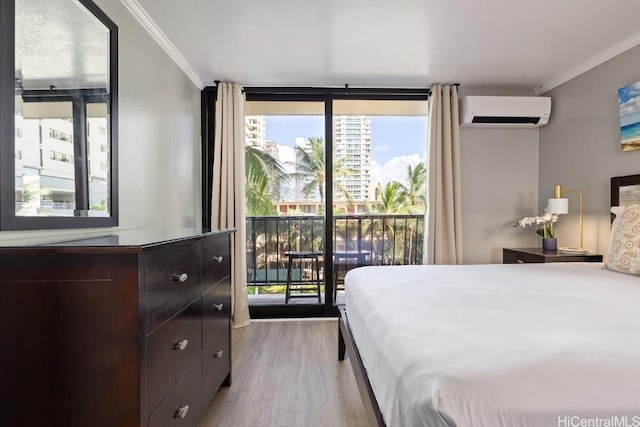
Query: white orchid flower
(545, 221)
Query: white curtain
(443, 230)
(227, 198)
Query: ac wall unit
(505, 111)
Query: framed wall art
(629, 101)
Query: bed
(496, 345)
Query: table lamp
(560, 205)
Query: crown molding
(148, 24)
(593, 62)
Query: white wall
(159, 137)
(499, 185)
(580, 147)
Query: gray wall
(499, 185)
(580, 147)
(159, 136)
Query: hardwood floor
(287, 374)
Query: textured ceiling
(412, 43)
(59, 43)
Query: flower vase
(549, 244)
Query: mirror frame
(8, 218)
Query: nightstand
(526, 255)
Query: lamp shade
(558, 206)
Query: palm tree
(415, 192)
(310, 166)
(29, 193)
(263, 174)
(390, 198)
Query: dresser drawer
(511, 257)
(216, 362)
(183, 406)
(216, 309)
(216, 260)
(170, 350)
(172, 280)
(54, 267)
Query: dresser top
(121, 241)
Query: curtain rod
(346, 90)
(316, 93)
(337, 89)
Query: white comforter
(499, 345)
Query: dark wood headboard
(625, 190)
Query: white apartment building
(352, 154)
(272, 149)
(45, 171)
(256, 135)
(255, 130)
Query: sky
(396, 141)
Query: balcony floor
(278, 299)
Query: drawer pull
(181, 412)
(218, 354)
(180, 277)
(181, 345)
(218, 258)
(218, 307)
(520, 261)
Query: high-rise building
(45, 162)
(352, 154)
(272, 149)
(255, 130)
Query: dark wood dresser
(130, 329)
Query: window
(47, 164)
(61, 157)
(60, 135)
(384, 143)
(292, 141)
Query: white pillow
(617, 210)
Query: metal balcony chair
(345, 260)
(300, 288)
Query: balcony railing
(388, 239)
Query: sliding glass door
(379, 178)
(285, 199)
(335, 180)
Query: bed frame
(625, 190)
(347, 343)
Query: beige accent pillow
(624, 247)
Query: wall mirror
(58, 115)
